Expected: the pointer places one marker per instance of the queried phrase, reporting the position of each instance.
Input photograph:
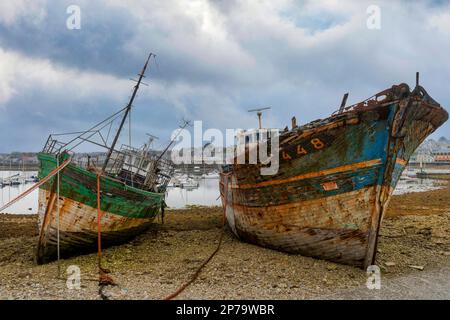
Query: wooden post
(259, 119)
(294, 122)
(343, 103)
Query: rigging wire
(97, 125)
(129, 127)
(109, 131)
(129, 143)
(83, 139)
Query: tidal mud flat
(414, 245)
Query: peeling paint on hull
(126, 212)
(335, 179)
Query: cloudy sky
(215, 60)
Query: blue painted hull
(334, 183)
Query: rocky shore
(414, 242)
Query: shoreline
(415, 232)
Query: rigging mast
(127, 112)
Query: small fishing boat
(13, 180)
(176, 183)
(211, 175)
(129, 183)
(190, 184)
(32, 179)
(335, 178)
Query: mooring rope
(200, 268)
(37, 185)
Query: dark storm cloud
(214, 61)
(100, 45)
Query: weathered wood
(335, 179)
(126, 211)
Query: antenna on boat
(127, 112)
(259, 113)
(151, 138)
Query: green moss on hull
(80, 185)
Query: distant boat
(13, 180)
(176, 183)
(190, 184)
(211, 175)
(31, 179)
(335, 179)
(433, 175)
(132, 191)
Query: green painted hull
(81, 185)
(126, 211)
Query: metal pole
(57, 217)
(259, 119)
(129, 129)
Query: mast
(127, 112)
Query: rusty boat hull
(125, 211)
(335, 179)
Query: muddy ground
(414, 241)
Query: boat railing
(141, 168)
(390, 95)
(52, 146)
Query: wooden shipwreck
(128, 183)
(335, 178)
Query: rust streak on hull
(78, 227)
(335, 179)
(344, 168)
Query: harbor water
(197, 192)
(205, 192)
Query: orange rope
(41, 182)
